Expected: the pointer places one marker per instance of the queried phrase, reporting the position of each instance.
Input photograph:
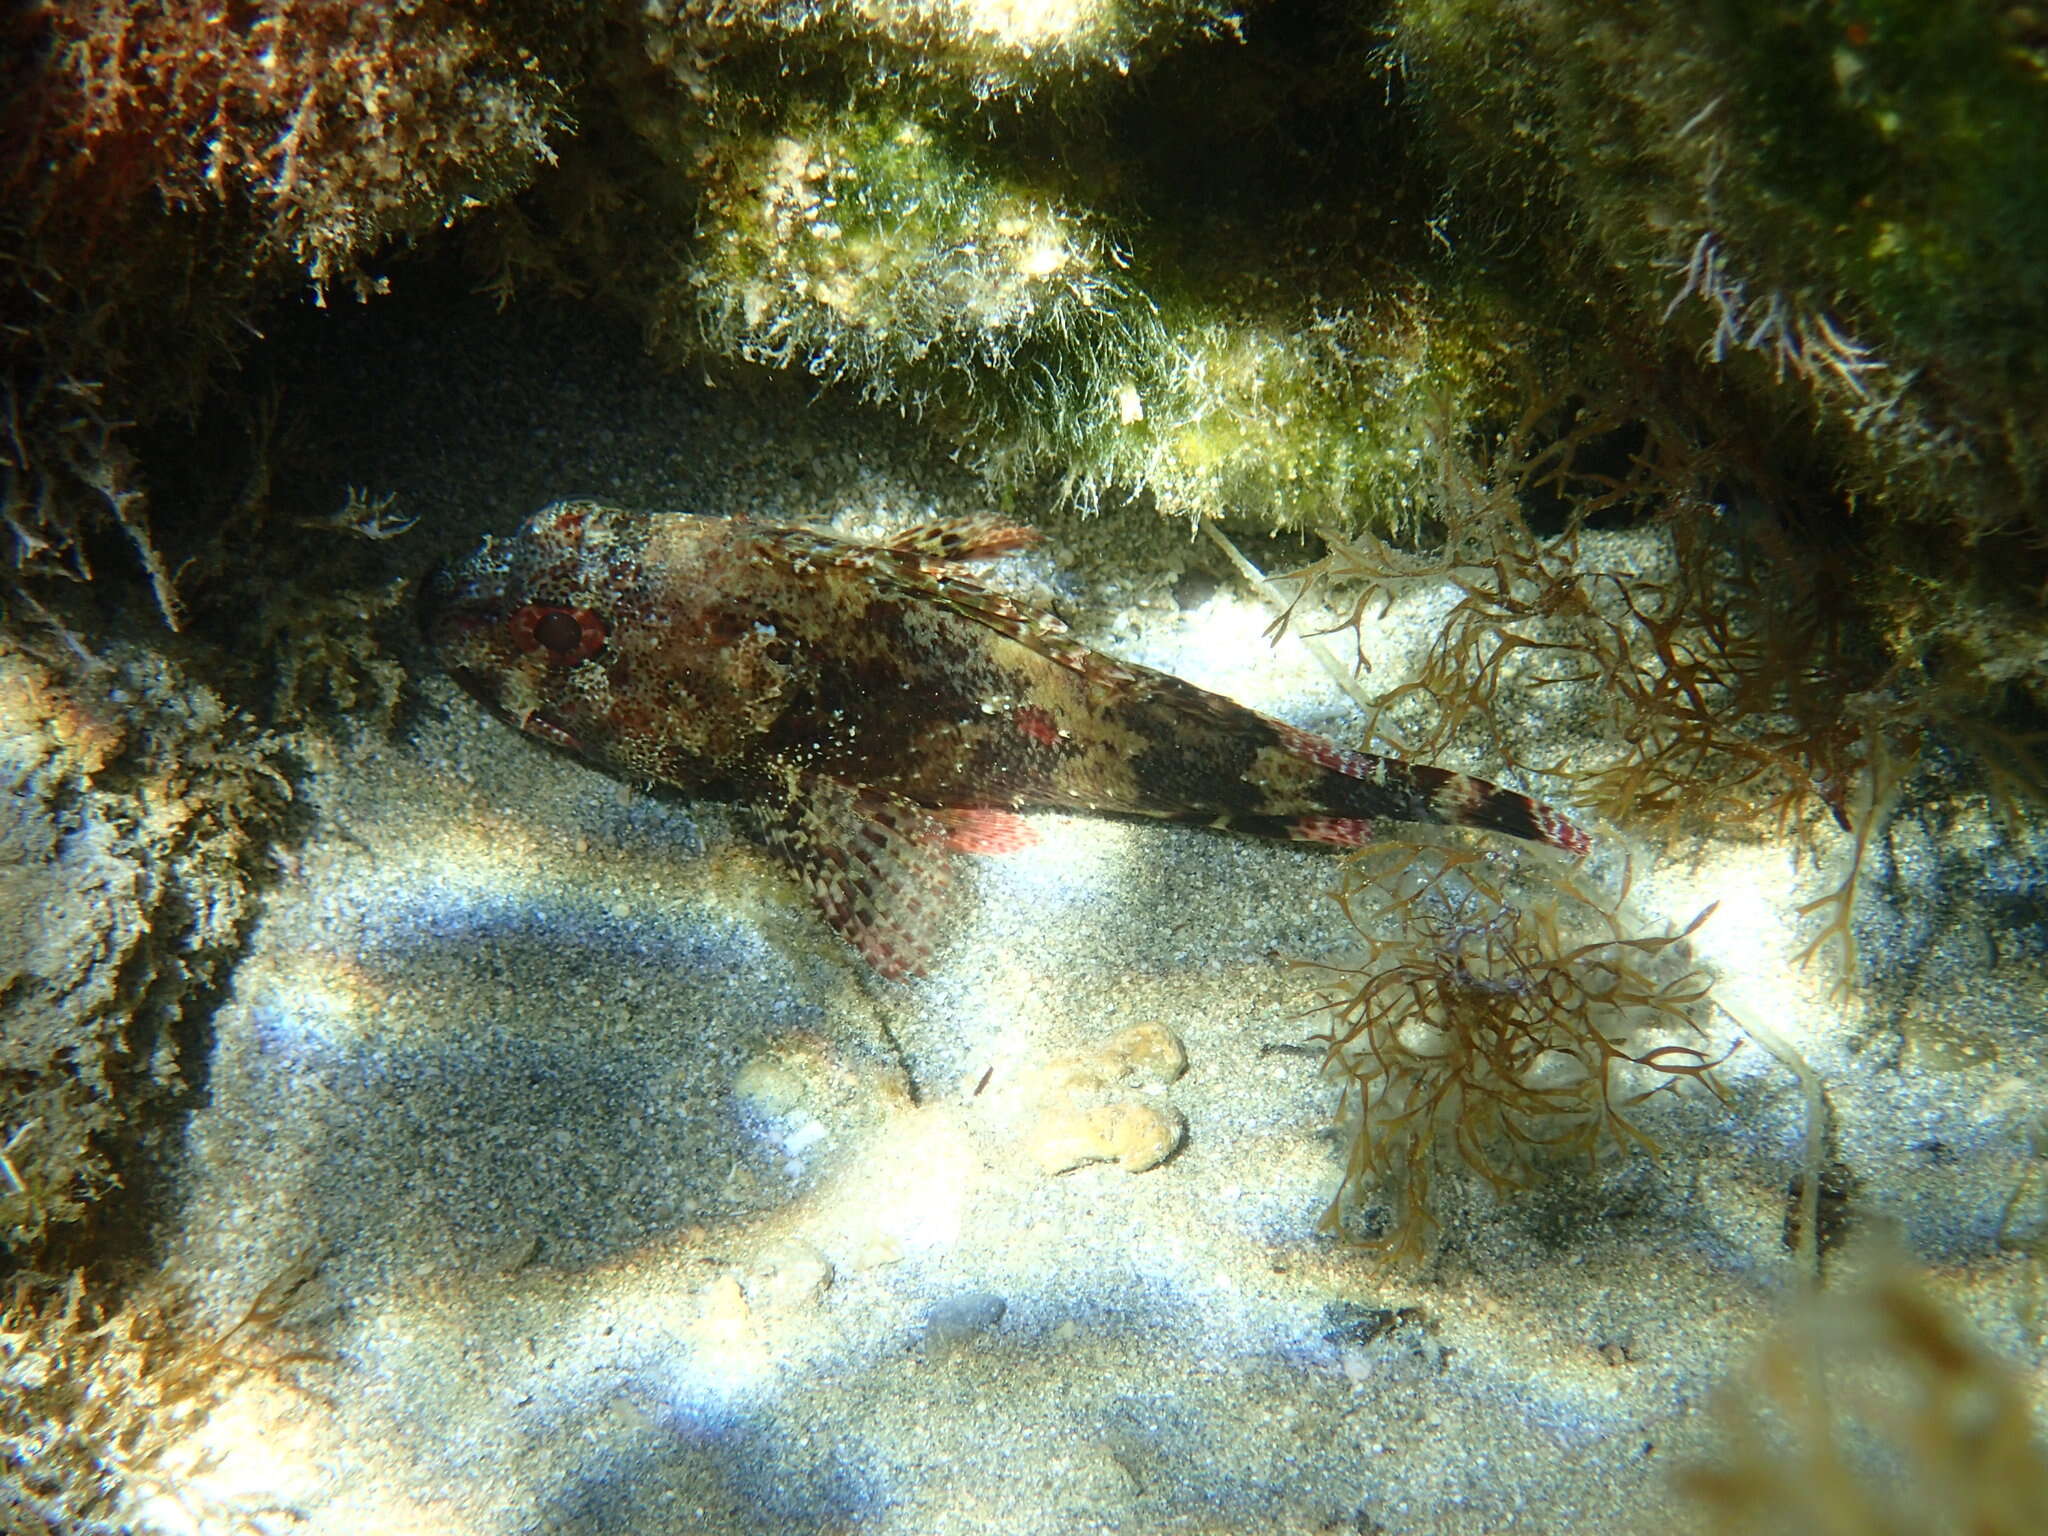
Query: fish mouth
(431, 600)
(454, 602)
(478, 687)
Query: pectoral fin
(875, 865)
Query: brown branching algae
(1876, 1412)
(1507, 1027)
(1726, 681)
(98, 1403)
(1718, 698)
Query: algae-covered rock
(1837, 201)
(1836, 210)
(1170, 279)
(137, 804)
(982, 50)
(1249, 260)
(171, 170)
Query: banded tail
(1357, 789)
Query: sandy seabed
(639, 1205)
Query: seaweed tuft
(167, 169)
(1876, 1412)
(99, 1403)
(1512, 1029)
(1721, 664)
(1731, 687)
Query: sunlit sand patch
(1221, 644)
(1751, 943)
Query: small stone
(791, 1274)
(959, 1320)
(1135, 1137)
(1351, 1322)
(1142, 1136)
(725, 1314)
(877, 1251)
(768, 1085)
(1146, 1053)
(511, 1256)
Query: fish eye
(568, 635)
(559, 631)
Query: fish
(879, 709)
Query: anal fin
(1334, 831)
(986, 831)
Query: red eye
(568, 635)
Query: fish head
(527, 623)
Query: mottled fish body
(880, 709)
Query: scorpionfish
(880, 709)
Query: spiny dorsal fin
(962, 538)
(1036, 628)
(909, 564)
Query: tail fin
(1467, 802)
(1362, 788)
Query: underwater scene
(931, 767)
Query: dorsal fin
(910, 563)
(947, 582)
(962, 538)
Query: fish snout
(458, 599)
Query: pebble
(723, 1318)
(1145, 1055)
(960, 1320)
(511, 1256)
(1352, 1322)
(1136, 1137)
(768, 1085)
(791, 1274)
(1074, 1120)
